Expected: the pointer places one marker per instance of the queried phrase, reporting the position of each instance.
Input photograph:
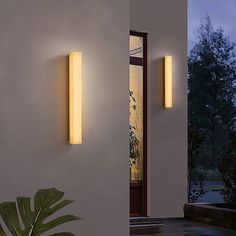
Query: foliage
(133, 140)
(211, 98)
(212, 76)
(227, 168)
(46, 203)
(196, 186)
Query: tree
(196, 186)
(227, 168)
(212, 75)
(211, 95)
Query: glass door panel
(136, 122)
(137, 130)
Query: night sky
(221, 12)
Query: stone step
(149, 226)
(149, 220)
(145, 229)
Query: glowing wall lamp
(168, 81)
(75, 98)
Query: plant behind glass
(133, 140)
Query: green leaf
(46, 203)
(62, 234)
(26, 213)
(9, 215)
(2, 232)
(58, 221)
(60, 205)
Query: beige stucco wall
(166, 23)
(36, 37)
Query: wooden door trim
(145, 100)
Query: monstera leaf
(46, 203)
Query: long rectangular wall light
(75, 98)
(168, 81)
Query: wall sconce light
(168, 81)
(75, 98)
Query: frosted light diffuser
(75, 98)
(168, 81)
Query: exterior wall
(166, 23)
(36, 37)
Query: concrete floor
(181, 228)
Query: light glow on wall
(168, 81)
(75, 98)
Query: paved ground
(183, 228)
(212, 196)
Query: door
(138, 124)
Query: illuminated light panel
(75, 98)
(168, 81)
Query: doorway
(138, 124)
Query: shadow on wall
(156, 85)
(58, 72)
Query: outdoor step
(141, 229)
(149, 220)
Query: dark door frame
(143, 62)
